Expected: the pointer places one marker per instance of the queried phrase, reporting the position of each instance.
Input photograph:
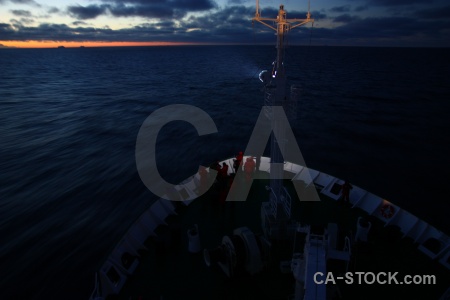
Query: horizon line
(103, 44)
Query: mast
(283, 26)
(277, 96)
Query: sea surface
(69, 119)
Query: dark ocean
(69, 118)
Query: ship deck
(168, 271)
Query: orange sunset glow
(55, 44)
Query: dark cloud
(396, 2)
(224, 25)
(26, 20)
(344, 8)
(15, 23)
(1, 45)
(53, 10)
(86, 12)
(272, 13)
(140, 8)
(149, 11)
(361, 8)
(5, 31)
(346, 18)
(434, 13)
(78, 23)
(189, 5)
(21, 13)
(234, 2)
(29, 2)
(158, 8)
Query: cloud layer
(140, 8)
(170, 21)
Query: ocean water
(69, 118)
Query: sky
(74, 23)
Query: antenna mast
(276, 96)
(283, 26)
